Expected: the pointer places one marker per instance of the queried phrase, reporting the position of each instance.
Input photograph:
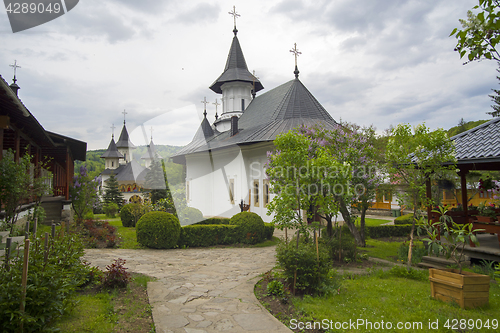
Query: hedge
(404, 219)
(380, 231)
(214, 220)
(268, 230)
(200, 235)
(158, 230)
(251, 227)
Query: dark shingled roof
(112, 151)
(204, 131)
(236, 69)
(132, 171)
(276, 111)
(123, 140)
(480, 144)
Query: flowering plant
(84, 192)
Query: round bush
(251, 227)
(158, 230)
(131, 213)
(190, 215)
(404, 219)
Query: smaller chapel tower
(124, 144)
(112, 156)
(236, 84)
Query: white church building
(226, 160)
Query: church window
(256, 201)
(231, 191)
(242, 105)
(112, 164)
(266, 192)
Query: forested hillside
(95, 164)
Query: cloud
(200, 13)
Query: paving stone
(196, 317)
(194, 330)
(224, 325)
(255, 322)
(204, 323)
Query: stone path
(201, 290)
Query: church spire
(235, 16)
(296, 53)
(14, 86)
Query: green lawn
(373, 222)
(390, 298)
(383, 250)
(127, 234)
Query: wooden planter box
(469, 290)
(485, 219)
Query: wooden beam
(463, 187)
(1, 144)
(68, 172)
(428, 192)
(17, 144)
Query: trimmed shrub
(404, 219)
(158, 230)
(189, 215)
(251, 227)
(131, 213)
(381, 231)
(110, 209)
(268, 230)
(343, 249)
(199, 235)
(215, 220)
(304, 261)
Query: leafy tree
(413, 158)
(480, 32)
(306, 176)
(84, 192)
(18, 182)
(495, 98)
(112, 193)
(350, 144)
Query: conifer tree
(112, 192)
(495, 98)
(155, 182)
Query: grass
(373, 222)
(388, 297)
(127, 234)
(117, 310)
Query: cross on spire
(235, 15)
(216, 104)
(124, 113)
(15, 66)
(296, 53)
(113, 131)
(204, 101)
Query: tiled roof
(480, 143)
(236, 69)
(112, 151)
(278, 110)
(123, 140)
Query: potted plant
(487, 213)
(467, 289)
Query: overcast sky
(370, 62)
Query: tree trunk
(362, 226)
(352, 227)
